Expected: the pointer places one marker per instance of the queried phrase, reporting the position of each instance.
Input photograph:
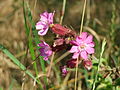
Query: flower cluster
(72, 64)
(82, 46)
(46, 21)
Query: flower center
(82, 47)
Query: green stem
(63, 11)
(51, 62)
(99, 62)
(81, 27)
(76, 74)
(83, 14)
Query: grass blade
(25, 20)
(99, 62)
(19, 64)
(36, 40)
(32, 52)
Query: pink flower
(45, 21)
(83, 46)
(87, 64)
(64, 70)
(45, 50)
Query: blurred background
(102, 19)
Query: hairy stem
(63, 11)
(51, 62)
(83, 14)
(76, 74)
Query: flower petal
(50, 18)
(84, 55)
(44, 16)
(73, 42)
(75, 55)
(43, 32)
(40, 25)
(47, 17)
(79, 40)
(41, 45)
(92, 44)
(83, 35)
(89, 39)
(45, 58)
(48, 52)
(42, 53)
(90, 50)
(74, 49)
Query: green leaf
(30, 41)
(117, 82)
(36, 40)
(1, 88)
(19, 64)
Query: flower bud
(59, 29)
(87, 64)
(71, 63)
